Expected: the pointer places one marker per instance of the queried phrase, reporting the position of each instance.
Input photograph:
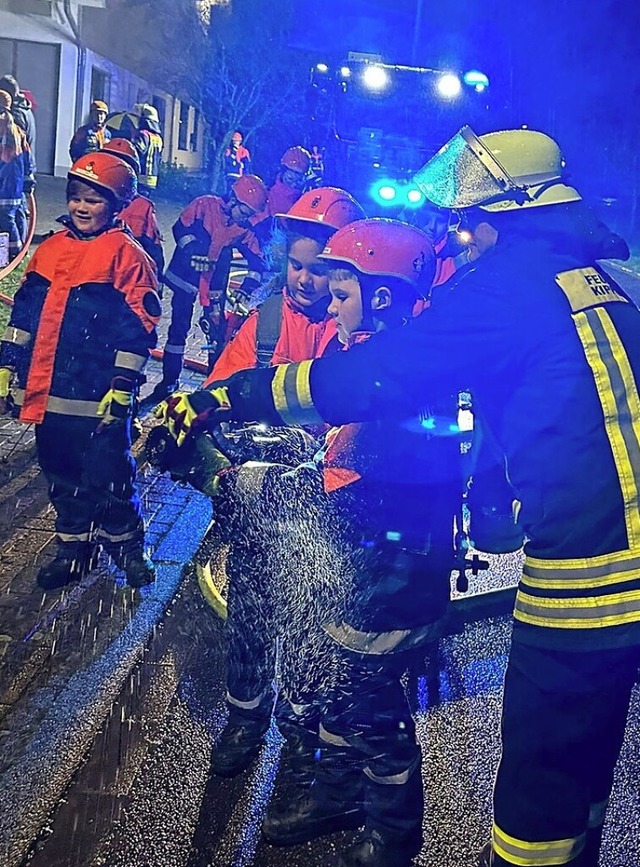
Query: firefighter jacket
(140, 217)
(205, 229)
(22, 111)
(237, 163)
(149, 145)
(305, 332)
(87, 139)
(85, 314)
(550, 347)
(16, 167)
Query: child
(80, 332)
(16, 173)
(296, 317)
(386, 500)
(285, 191)
(140, 213)
(207, 229)
(300, 328)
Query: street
(111, 699)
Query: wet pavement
(111, 701)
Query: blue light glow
(387, 192)
(476, 79)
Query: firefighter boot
(485, 858)
(375, 849)
(137, 566)
(298, 757)
(241, 739)
(71, 563)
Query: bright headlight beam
(449, 85)
(375, 77)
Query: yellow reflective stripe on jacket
(620, 404)
(291, 392)
(526, 854)
(18, 336)
(582, 574)
(581, 612)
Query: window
(183, 128)
(100, 84)
(193, 138)
(160, 105)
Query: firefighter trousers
(366, 727)
(91, 476)
(563, 722)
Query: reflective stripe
(379, 643)
(186, 239)
(130, 360)
(254, 275)
(621, 406)
(175, 349)
(16, 335)
(245, 705)
(392, 779)
(580, 611)
(74, 537)
(63, 405)
(122, 537)
(597, 813)
(583, 574)
(189, 288)
(527, 854)
(299, 709)
(291, 391)
(330, 738)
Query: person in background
(315, 176)
(71, 361)
(22, 111)
(93, 135)
(237, 160)
(286, 189)
(205, 234)
(140, 213)
(16, 173)
(149, 143)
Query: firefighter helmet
(389, 248)
(99, 105)
(107, 174)
(125, 150)
(251, 191)
(499, 171)
(297, 158)
(329, 206)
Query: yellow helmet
(499, 171)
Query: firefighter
(140, 213)
(91, 136)
(149, 144)
(80, 332)
(294, 323)
(552, 332)
(205, 234)
(237, 160)
(285, 190)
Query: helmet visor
(464, 174)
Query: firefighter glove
(115, 407)
(5, 390)
(182, 413)
(201, 263)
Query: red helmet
(236, 136)
(297, 158)
(107, 174)
(122, 148)
(251, 191)
(330, 206)
(386, 248)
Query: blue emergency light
(391, 193)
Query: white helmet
(499, 171)
(145, 109)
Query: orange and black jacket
(550, 346)
(84, 317)
(304, 333)
(140, 217)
